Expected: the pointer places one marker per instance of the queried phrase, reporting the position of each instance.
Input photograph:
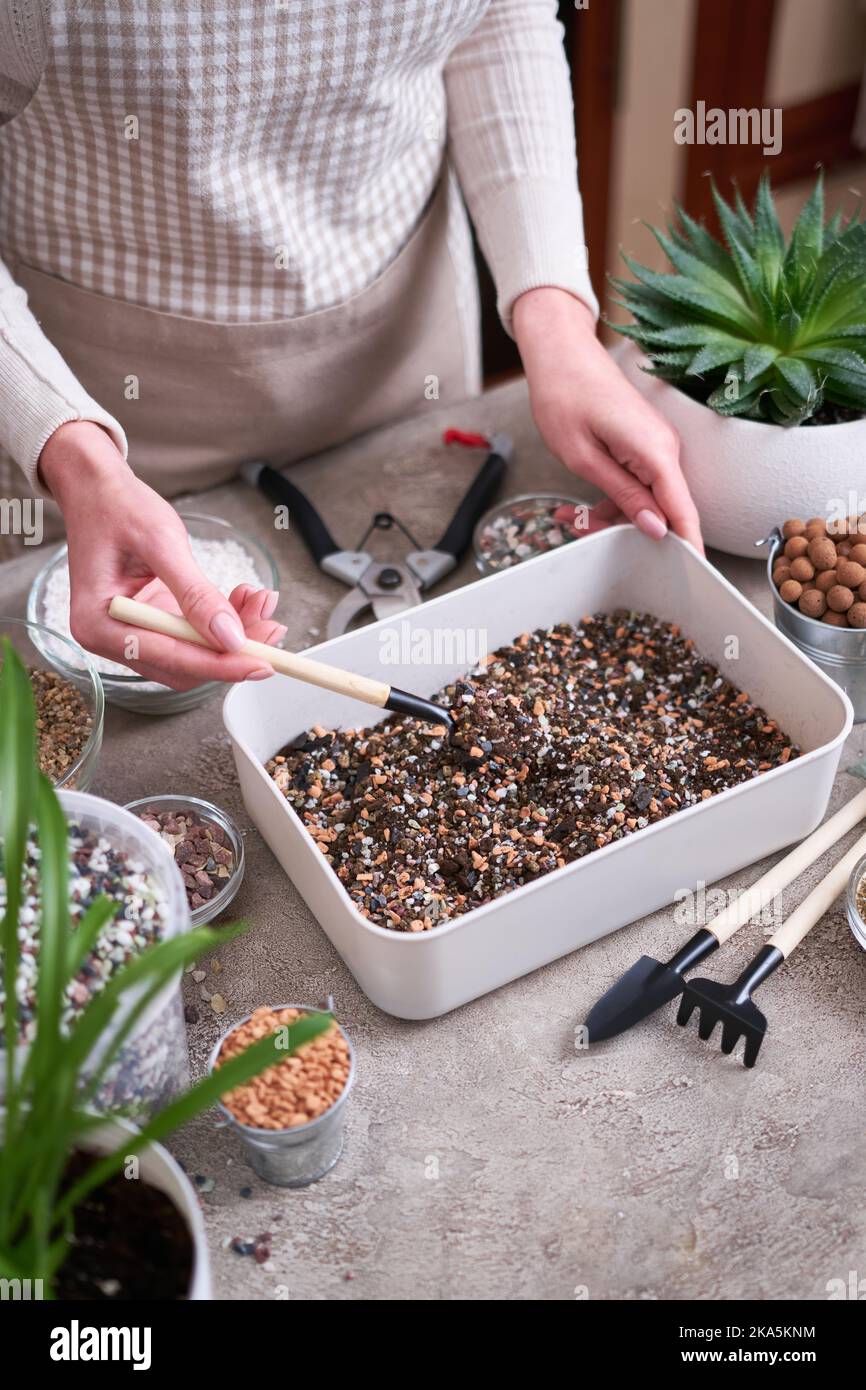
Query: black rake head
(731, 1005)
(719, 1003)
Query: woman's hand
(126, 539)
(595, 421)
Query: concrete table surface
(486, 1157)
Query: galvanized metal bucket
(838, 651)
(299, 1156)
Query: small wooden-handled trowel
(302, 668)
(651, 983)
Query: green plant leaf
(86, 934)
(707, 248)
(757, 359)
(17, 792)
(747, 267)
(682, 289)
(797, 377)
(807, 238)
(710, 356)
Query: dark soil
(130, 1242)
(832, 414)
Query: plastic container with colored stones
(293, 1157)
(203, 812)
(151, 1066)
(520, 528)
(855, 901)
(70, 664)
(122, 686)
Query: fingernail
(271, 603)
(261, 674)
(228, 632)
(651, 525)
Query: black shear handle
(458, 535)
(311, 526)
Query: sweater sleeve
(511, 138)
(38, 392)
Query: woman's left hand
(595, 421)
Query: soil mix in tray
(130, 1242)
(565, 741)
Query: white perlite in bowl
(225, 563)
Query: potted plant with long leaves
(61, 1164)
(754, 349)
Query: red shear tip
(471, 441)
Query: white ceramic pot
(157, 1167)
(747, 477)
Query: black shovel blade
(645, 987)
(718, 1003)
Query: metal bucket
(838, 651)
(298, 1156)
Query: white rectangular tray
(424, 975)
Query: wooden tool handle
(144, 615)
(819, 901)
(753, 901)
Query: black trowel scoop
(645, 987)
(651, 983)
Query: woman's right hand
(126, 539)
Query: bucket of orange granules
(291, 1117)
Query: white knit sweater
(372, 99)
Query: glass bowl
(855, 917)
(205, 810)
(520, 509)
(129, 690)
(76, 666)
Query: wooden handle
(753, 901)
(301, 668)
(819, 901)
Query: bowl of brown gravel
(69, 707)
(207, 847)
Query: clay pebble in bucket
(290, 1118)
(821, 569)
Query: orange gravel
(292, 1092)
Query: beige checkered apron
(134, 222)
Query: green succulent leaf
(757, 359)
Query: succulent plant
(757, 327)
